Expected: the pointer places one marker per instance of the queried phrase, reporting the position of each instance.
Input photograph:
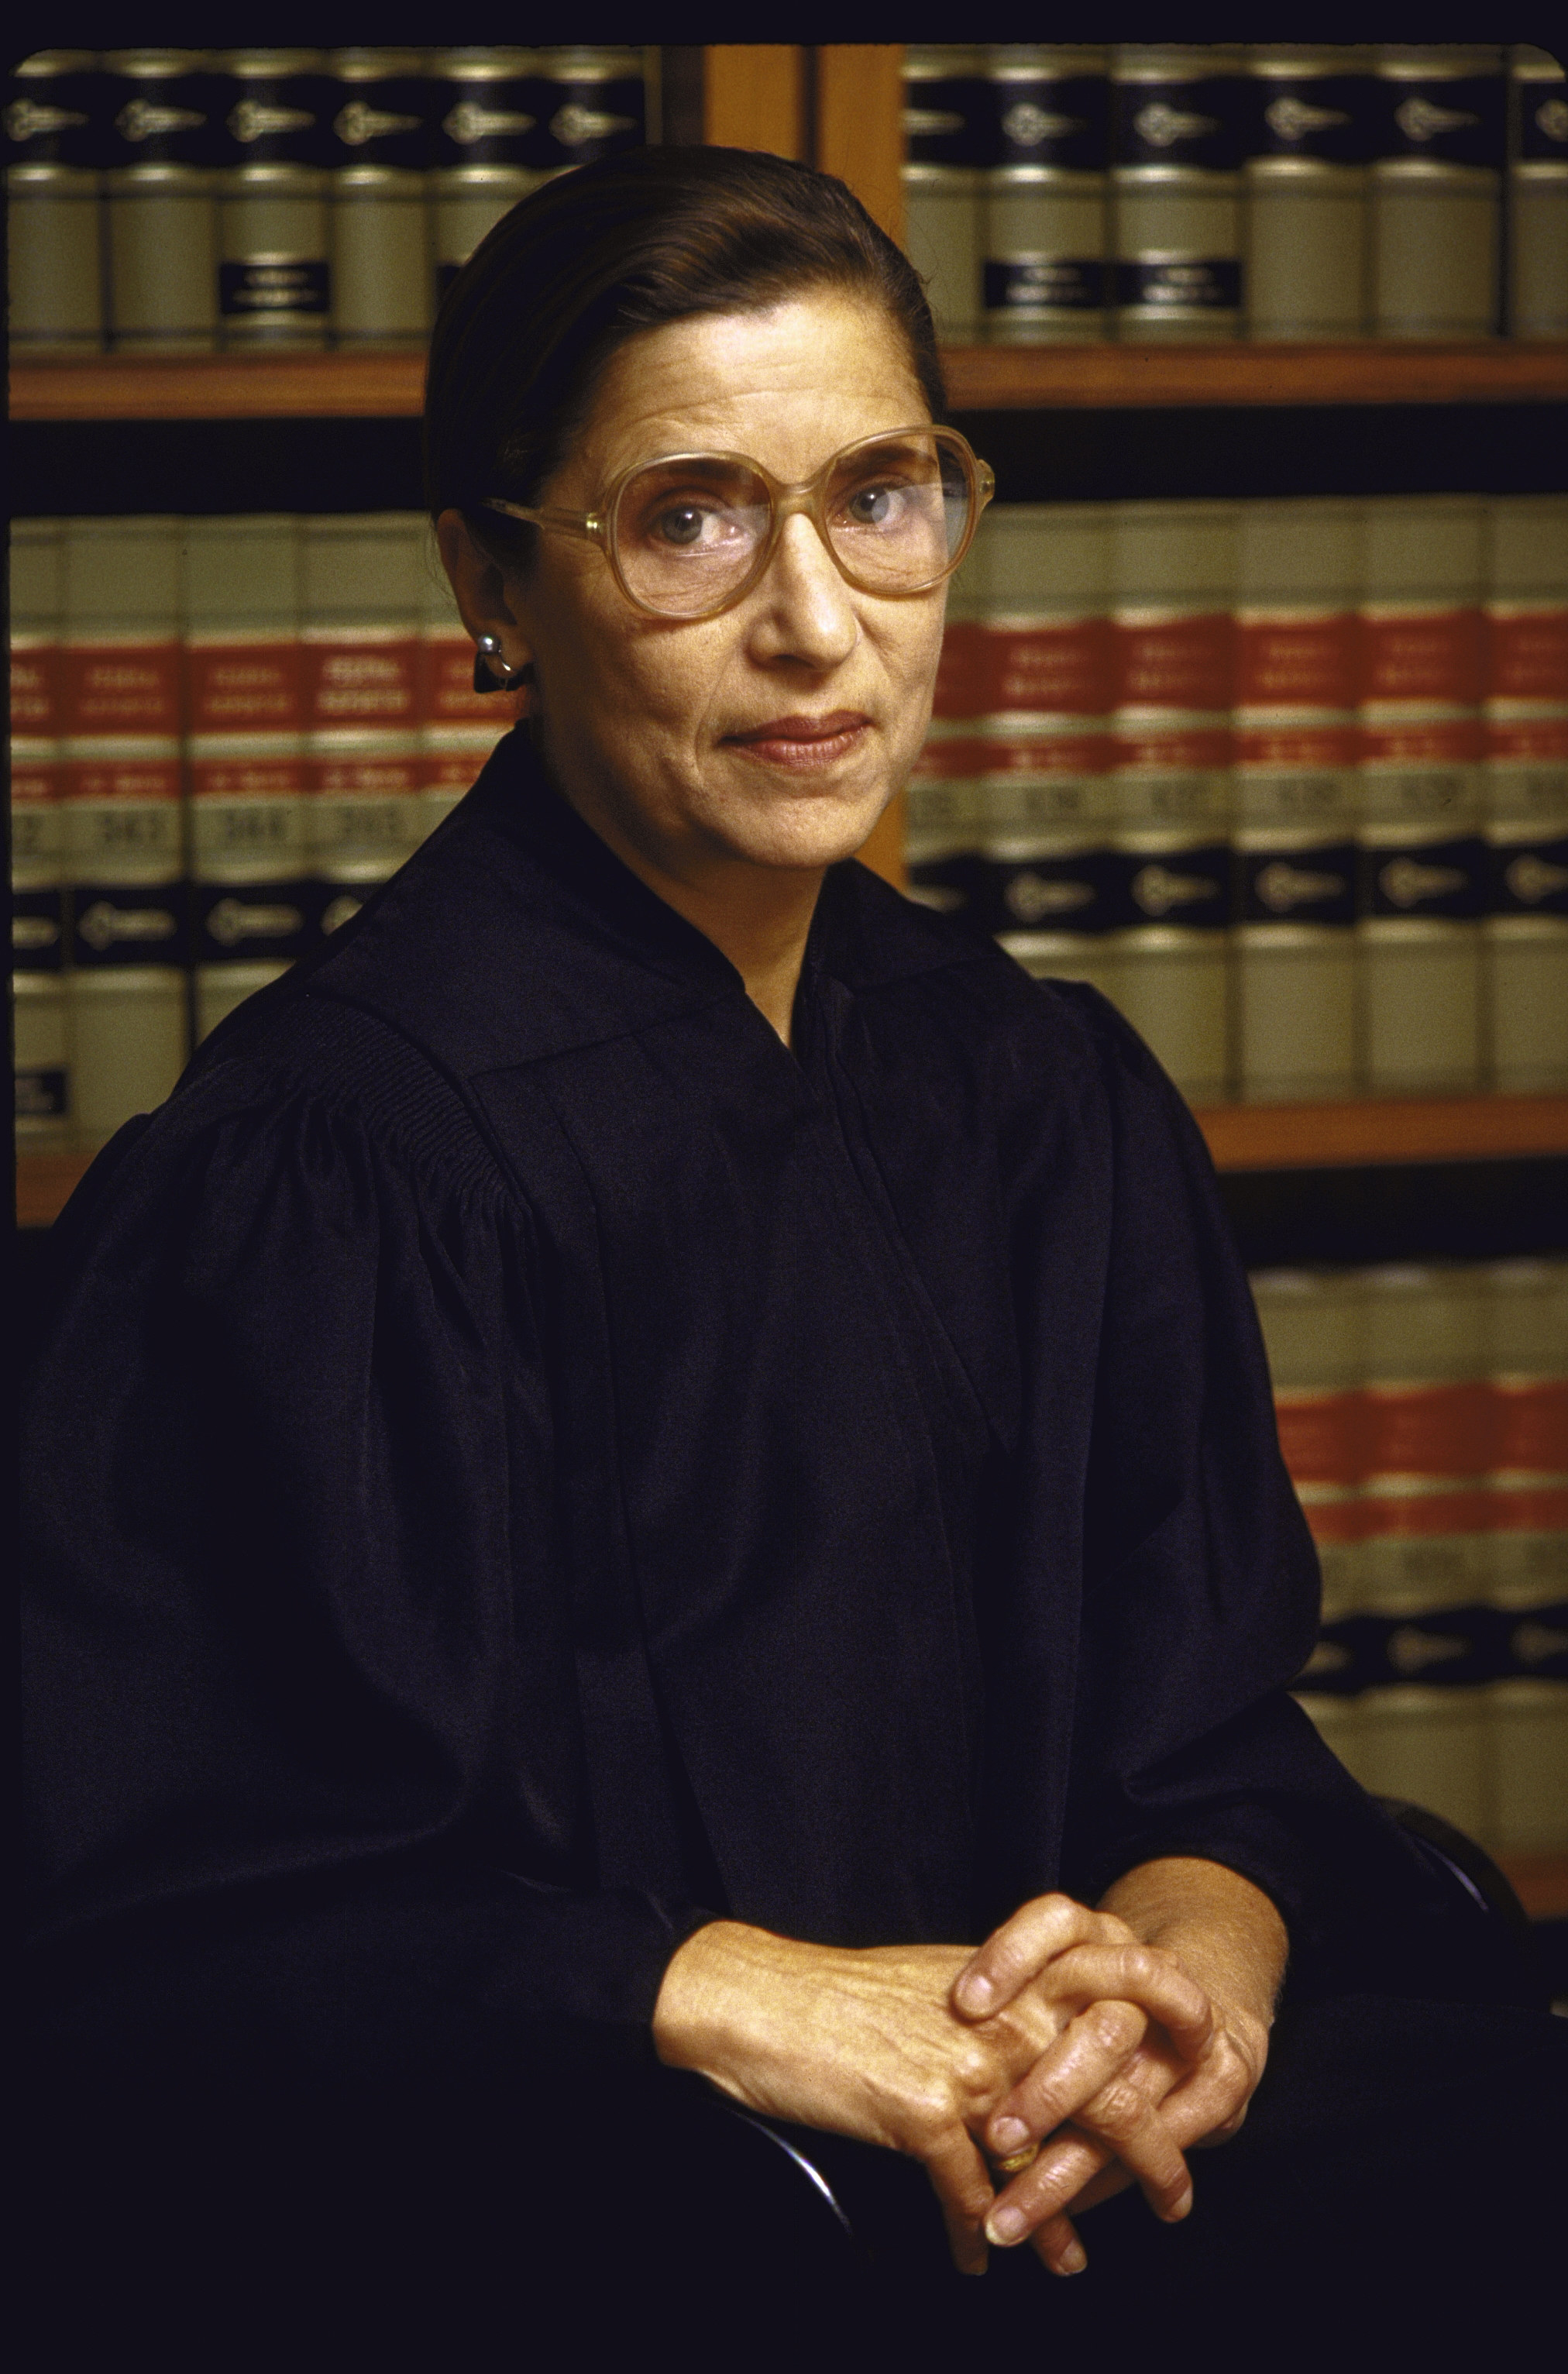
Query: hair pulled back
(652, 236)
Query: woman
(659, 1463)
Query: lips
(803, 741)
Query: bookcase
(1344, 1182)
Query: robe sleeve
(310, 1773)
(1201, 1589)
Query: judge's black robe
(520, 1462)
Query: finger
(1141, 1975)
(963, 2189)
(1058, 2245)
(1020, 1949)
(1031, 2205)
(1084, 2057)
(1123, 2116)
(1208, 2104)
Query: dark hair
(652, 236)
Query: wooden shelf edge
(1541, 1882)
(1005, 378)
(1380, 1130)
(235, 387)
(220, 387)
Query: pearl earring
(490, 671)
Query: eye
(873, 506)
(682, 524)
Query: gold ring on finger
(1016, 2162)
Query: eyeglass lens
(688, 533)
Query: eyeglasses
(689, 535)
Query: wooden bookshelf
(983, 379)
(264, 387)
(1241, 1137)
(1364, 1129)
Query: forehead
(788, 387)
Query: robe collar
(516, 934)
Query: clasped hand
(1065, 2030)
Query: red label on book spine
(1420, 654)
(364, 681)
(1164, 662)
(1450, 740)
(120, 689)
(246, 779)
(36, 782)
(1542, 1508)
(35, 687)
(951, 758)
(961, 671)
(1057, 668)
(1055, 754)
(1528, 654)
(122, 779)
(1317, 1436)
(1296, 745)
(1528, 737)
(1438, 1430)
(1170, 749)
(1297, 663)
(1426, 1516)
(368, 777)
(242, 687)
(1531, 1424)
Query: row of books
(1284, 189)
(1423, 1415)
(175, 201)
(1287, 779)
(224, 732)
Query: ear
(479, 588)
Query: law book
(1177, 116)
(1537, 196)
(55, 129)
(1172, 578)
(1526, 792)
(274, 270)
(1308, 136)
(483, 108)
(361, 596)
(163, 134)
(1044, 207)
(1438, 149)
(1423, 860)
(40, 860)
(378, 143)
(948, 143)
(252, 907)
(121, 724)
(1298, 577)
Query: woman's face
(776, 733)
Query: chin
(804, 833)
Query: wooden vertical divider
(859, 136)
(754, 97)
(859, 125)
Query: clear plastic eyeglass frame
(603, 526)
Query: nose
(805, 612)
